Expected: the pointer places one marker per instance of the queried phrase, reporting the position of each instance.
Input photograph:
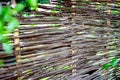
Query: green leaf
(32, 25)
(14, 23)
(53, 11)
(1, 9)
(114, 62)
(1, 63)
(1, 27)
(8, 48)
(106, 66)
(118, 3)
(4, 39)
(115, 12)
(58, 6)
(1, 38)
(6, 13)
(45, 78)
(66, 68)
(44, 1)
(14, 12)
(33, 3)
(19, 7)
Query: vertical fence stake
(17, 52)
(108, 32)
(73, 21)
(108, 24)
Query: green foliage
(14, 23)
(3, 38)
(7, 25)
(1, 26)
(32, 25)
(1, 63)
(115, 12)
(66, 67)
(118, 4)
(33, 4)
(106, 66)
(0, 9)
(44, 1)
(58, 6)
(60, 0)
(6, 14)
(29, 71)
(53, 11)
(45, 78)
(19, 7)
(112, 63)
(8, 48)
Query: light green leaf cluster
(7, 25)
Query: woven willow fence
(68, 40)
